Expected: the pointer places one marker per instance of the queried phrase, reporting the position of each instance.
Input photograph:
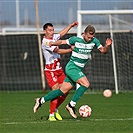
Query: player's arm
(65, 30)
(63, 51)
(58, 43)
(70, 41)
(104, 49)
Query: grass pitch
(110, 115)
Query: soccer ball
(85, 111)
(107, 93)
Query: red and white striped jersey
(52, 59)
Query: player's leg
(66, 87)
(52, 79)
(84, 85)
(78, 76)
(53, 104)
(72, 110)
(78, 94)
(60, 99)
(50, 96)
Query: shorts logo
(54, 78)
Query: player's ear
(44, 31)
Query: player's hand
(51, 43)
(108, 41)
(74, 24)
(72, 47)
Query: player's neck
(47, 37)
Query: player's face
(88, 37)
(49, 32)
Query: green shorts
(73, 73)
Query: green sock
(78, 94)
(53, 94)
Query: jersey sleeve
(71, 40)
(45, 45)
(56, 37)
(52, 48)
(97, 43)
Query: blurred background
(20, 59)
(21, 13)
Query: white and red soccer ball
(107, 93)
(85, 111)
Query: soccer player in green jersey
(82, 47)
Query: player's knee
(87, 85)
(65, 90)
(66, 87)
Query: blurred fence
(20, 63)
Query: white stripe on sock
(42, 100)
(72, 103)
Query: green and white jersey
(82, 50)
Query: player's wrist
(71, 25)
(107, 45)
(70, 49)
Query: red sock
(60, 100)
(53, 105)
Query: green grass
(110, 115)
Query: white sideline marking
(16, 123)
(126, 119)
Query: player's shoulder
(56, 36)
(75, 37)
(95, 39)
(46, 39)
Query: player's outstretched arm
(65, 30)
(63, 51)
(104, 49)
(57, 43)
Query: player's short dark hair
(90, 29)
(46, 25)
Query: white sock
(42, 100)
(51, 114)
(72, 103)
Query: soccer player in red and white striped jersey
(53, 70)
